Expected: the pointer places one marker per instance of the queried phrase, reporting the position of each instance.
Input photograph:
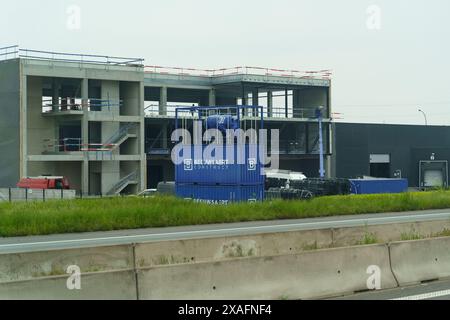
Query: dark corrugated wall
(407, 145)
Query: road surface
(68, 241)
(439, 290)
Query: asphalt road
(439, 290)
(66, 241)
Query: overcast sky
(388, 57)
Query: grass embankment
(23, 219)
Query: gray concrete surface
(54, 242)
(439, 290)
(307, 275)
(421, 260)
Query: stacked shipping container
(220, 174)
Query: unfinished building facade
(289, 100)
(81, 117)
(106, 122)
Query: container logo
(252, 164)
(188, 165)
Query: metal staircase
(122, 135)
(132, 178)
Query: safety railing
(245, 70)
(279, 112)
(97, 105)
(7, 53)
(62, 105)
(68, 145)
(79, 58)
(76, 104)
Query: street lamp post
(425, 116)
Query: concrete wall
(309, 275)
(130, 94)
(9, 123)
(39, 128)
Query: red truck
(58, 183)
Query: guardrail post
(26, 195)
(43, 195)
(10, 196)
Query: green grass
(23, 219)
(411, 235)
(368, 238)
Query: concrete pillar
(85, 136)
(212, 97)
(163, 102)
(255, 101)
(328, 173)
(110, 175)
(24, 127)
(111, 93)
(55, 95)
(143, 163)
(85, 177)
(85, 101)
(269, 104)
(286, 103)
(296, 104)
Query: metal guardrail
(244, 70)
(74, 145)
(80, 58)
(13, 52)
(277, 112)
(76, 104)
(7, 53)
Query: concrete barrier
(32, 265)
(227, 248)
(420, 260)
(265, 266)
(117, 285)
(106, 273)
(388, 232)
(308, 275)
(16, 194)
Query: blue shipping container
(377, 186)
(220, 194)
(227, 165)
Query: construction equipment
(44, 183)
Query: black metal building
(418, 153)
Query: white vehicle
(285, 175)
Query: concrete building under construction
(106, 122)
